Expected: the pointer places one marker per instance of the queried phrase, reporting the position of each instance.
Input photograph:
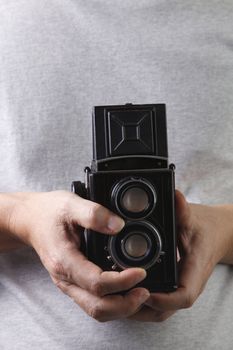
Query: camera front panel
(145, 200)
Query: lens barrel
(137, 245)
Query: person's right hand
(51, 223)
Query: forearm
(12, 237)
(8, 238)
(217, 222)
(225, 219)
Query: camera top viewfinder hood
(129, 136)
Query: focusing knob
(78, 187)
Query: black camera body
(130, 175)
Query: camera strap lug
(86, 177)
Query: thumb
(94, 216)
(183, 222)
(183, 211)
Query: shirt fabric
(57, 60)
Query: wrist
(12, 216)
(215, 225)
(9, 237)
(226, 233)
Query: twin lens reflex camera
(130, 175)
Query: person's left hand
(203, 240)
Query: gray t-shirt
(57, 60)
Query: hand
(204, 237)
(51, 223)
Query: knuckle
(96, 287)
(97, 313)
(161, 317)
(130, 308)
(55, 266)
(64, 207)
(62, 286)
(188, 301)
(94, 213)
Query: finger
(183, 211)
(147, 314)
(183, 221)
(79, 270)
(193, 265)
(171, 301)
(94, 216)
(191, 284)
(109, 307)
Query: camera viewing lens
(135, 199)
(136, 245)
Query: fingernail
(115, 223)
(141, 275)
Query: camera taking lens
(137, 245)
(130, 176)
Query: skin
(51, 222)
